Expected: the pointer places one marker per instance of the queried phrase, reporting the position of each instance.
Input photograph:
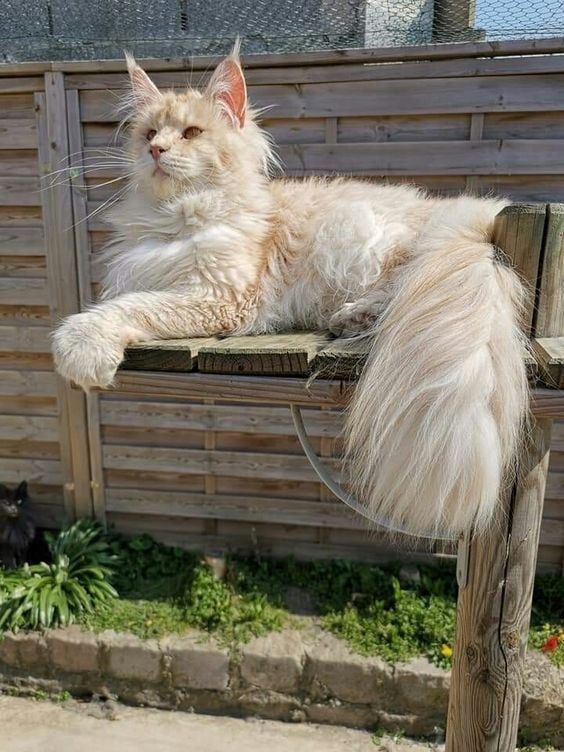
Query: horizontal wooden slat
(534, 156)
(23, 266)
(369, 55)
(20, 84)
(17, 133)
(20, 216)
(27, 383)
(29, 449)
(552, 533)
(216, 506)
(400, 128)
(397, 97)
(278, 355)
(247, 419)
(541, 125)
(324, 73)
(16, 191)
(25, 315)
(555, 486)
(22, 241)
(19, 163)
(25, 339)
(23, 361)
(33, 470)
(403, 158)
(16, 106)
(193, 461)
(27, 405)
(15, 291)
(21, 427)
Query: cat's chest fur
(192, 243)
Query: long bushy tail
(437, 416)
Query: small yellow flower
(446, 651)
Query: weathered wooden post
(494, 608)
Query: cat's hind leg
(354, 319)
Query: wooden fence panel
(209, 473)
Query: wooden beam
(493, 615)
(550, 300)
(494, 607)
(519, 232)
(549, 354)
(84, 291)
(269, 390)
(274, 390)
(327, 57)
(63, 286)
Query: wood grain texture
(519, 231)
(549, 353)
(63, 287)
(18, 133)
(493, 615)
(550, 297)
(84, 284)
(272, 355)
(384, 97)
(324, 57)
(21, 241)
(227, 507)
(301, 74)
(176, 355)
(342, 358)
(270, 390)
(248, 419)
(211, 462)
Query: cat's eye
(191, 132)
(151, 134)
(18, 502)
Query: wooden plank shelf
(297, 354)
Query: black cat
(17, 529)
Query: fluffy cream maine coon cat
(205, 243)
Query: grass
(166, 590)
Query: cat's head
(194, 139)
(12, 500)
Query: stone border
(289, 676)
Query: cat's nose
(156, 151)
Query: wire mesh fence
(97, 29)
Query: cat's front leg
(89, 347)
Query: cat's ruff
(205, 243)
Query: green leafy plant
(57, 593)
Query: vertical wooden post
(494, 608)
(63, 284)
(84, 281)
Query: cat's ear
(21, 490)
(227, 86)
(4, 492)
(143, 89)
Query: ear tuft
(227, 86)
(143, 89)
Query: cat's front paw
(86, 352)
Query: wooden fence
(452, 118)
